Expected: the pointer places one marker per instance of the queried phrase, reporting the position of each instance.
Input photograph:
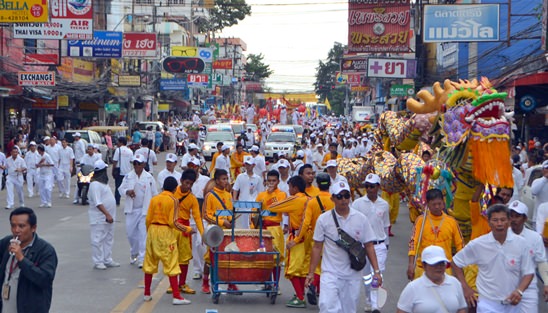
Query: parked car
(145, 124)
(89, 137)
(526, 197)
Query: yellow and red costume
(210, 207)
(328, 157)
(273, 223)
(213, 162)
(188, 204)
(236, 163)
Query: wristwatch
(377, 271)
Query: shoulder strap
(183, 197)
(320, 203)
(335, 219)
(148, 155)
(219, 198)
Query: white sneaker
(147, 298)
(42, 205)
(112, 264)
(48, 205)
(140, 264)
(31, 195)
(75, 202)
(368, 308)
(100, 266)
(180, 301)
(133, 259)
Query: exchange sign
(36, 78)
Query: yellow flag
(327, 104)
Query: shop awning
(532, 79)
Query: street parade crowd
(498, 265)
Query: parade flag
(327, 104)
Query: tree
(225, 13)
(325, 85)
(255, 69)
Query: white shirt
(100, 194)
(308, 155)
(535, 247)
(248, 186)
(250, 139)
(12, 165)
(151, 157)
(53, 152)
(377, 214)
(335, 259)
(500, 267)
(539, 189)
(284, 186)
(185, 159)
(122, 156)
(79, 149)
(199, 185)
(317, 158)
(260, 165)
(423, 296)
(31, 158)
(347, 153)
(144, 185)
(518, 183)
(46, 170)
(165, 174)
(90, 160)
(223, 163)
(66, 155)
(297, 164)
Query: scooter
(84, 179)
(180, 148)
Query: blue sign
(447, 23)
(104, 44)
(173, 84)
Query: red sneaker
(234, 290)
(206, 289)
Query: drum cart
(236, 262)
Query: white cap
(255, 148)
(99, 165)
(192, 146)
(433, 255)
(331, 163)
(319, 145)
(249, 160)
(545, 164)
(283, 163)
(372, 179)
(224, 147)
(46, 138)
(300, 154)
(90, 145)
(32, 143)
(77, 134)
(171, 157)
(339, 187)
(194, 161)
(519, 207)
(139, 158)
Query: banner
(379, 26)
(354, 65)
(105, 44)
(17, 11)
(129, 80)
(139, 45)
(197, 80)
(72, 20)
(173, 84)
(206, 54)
(36, 78)
(476, 22)
(223, 64)
(392, 68)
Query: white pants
(198, 251)
(56, 177)
(338, 295)
(17, 186)
(490, 306)
(64, 179)
(102, 239)
(529, 302)
(46, 187)
(382, 252)
(136, 233)
(32, 181)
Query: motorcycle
(84, 179)
(180, 148)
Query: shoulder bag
(355, 249)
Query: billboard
(223, 64)
(36, 78)
(354, 65)
(69, 20)
(105, 44)
(173, 84)
(466, 23)
(197, 80)
(392, 68)
(139, 45)
(379, 26)
(206, 54)
(19, 11)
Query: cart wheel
(215, 298)
(273, 298)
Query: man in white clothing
(317, 158)
(121, 165)
(31, 159)
(54, 151)
(246, 188)
(250, 114)
(198, 249)
(15, 166)
(138, 187)
(331, 167)
(283, 116)
(283, 169)
(223, 160)
(79, 147)
(260, 163)
(148, 154)
(298, 163)
(169, 170)
(376, 210)
(102, 213)
(191, 153)
(295, 117)
(518, 217)
(250, 138)
(88, 159)
(45, 164)
(539, 188)
(66, 165)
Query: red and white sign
(72, 20)
(139, 45)
(391, 68)
(197, 80)
(41, 59)
(224, 64)
(379, 26)
(36, 78)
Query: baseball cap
(32, 143)
(194, 161)
(331, 163)
(139, 158)
(319, 145)
(519, 207)
(46, 138)
(545, 164)
(192, 146)
(249, 160)
(90, 145)
(372, 179)
(283, 163)
(433, 255)
(224, 147)
(171, 157)
(300, 154)
(339, 187)
(255, 148)
(77, 134)
(99, 165)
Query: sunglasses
(184, 65)
(340, 196)
(370, 186)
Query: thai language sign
(17, 11)
(392, 68)
(104, 44)
(476, 22)
(224, 64)
(139, 45)
(173, 84)
(36, 78)
(379, 26)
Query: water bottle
(374, 288)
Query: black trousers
(117, 182)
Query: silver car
(212, 138)
(89, 136)
(277, 142)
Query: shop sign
(112, 107)
(206, 54)
(163, 107)
(182, 65)
(197, 80)
(173, 84)
(139, 45)
(379, 26)
(105, 44)
(68, 21)
(36, 78)
(62, 101)
(41, 59)
(354, 65)
(465, 23)
(223, 64)
(391, 68)
(402, 90)
(17, 11)
(40, 103)
(129, 80)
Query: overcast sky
(293, 35)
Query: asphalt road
(80, 288)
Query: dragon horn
(432, 103)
